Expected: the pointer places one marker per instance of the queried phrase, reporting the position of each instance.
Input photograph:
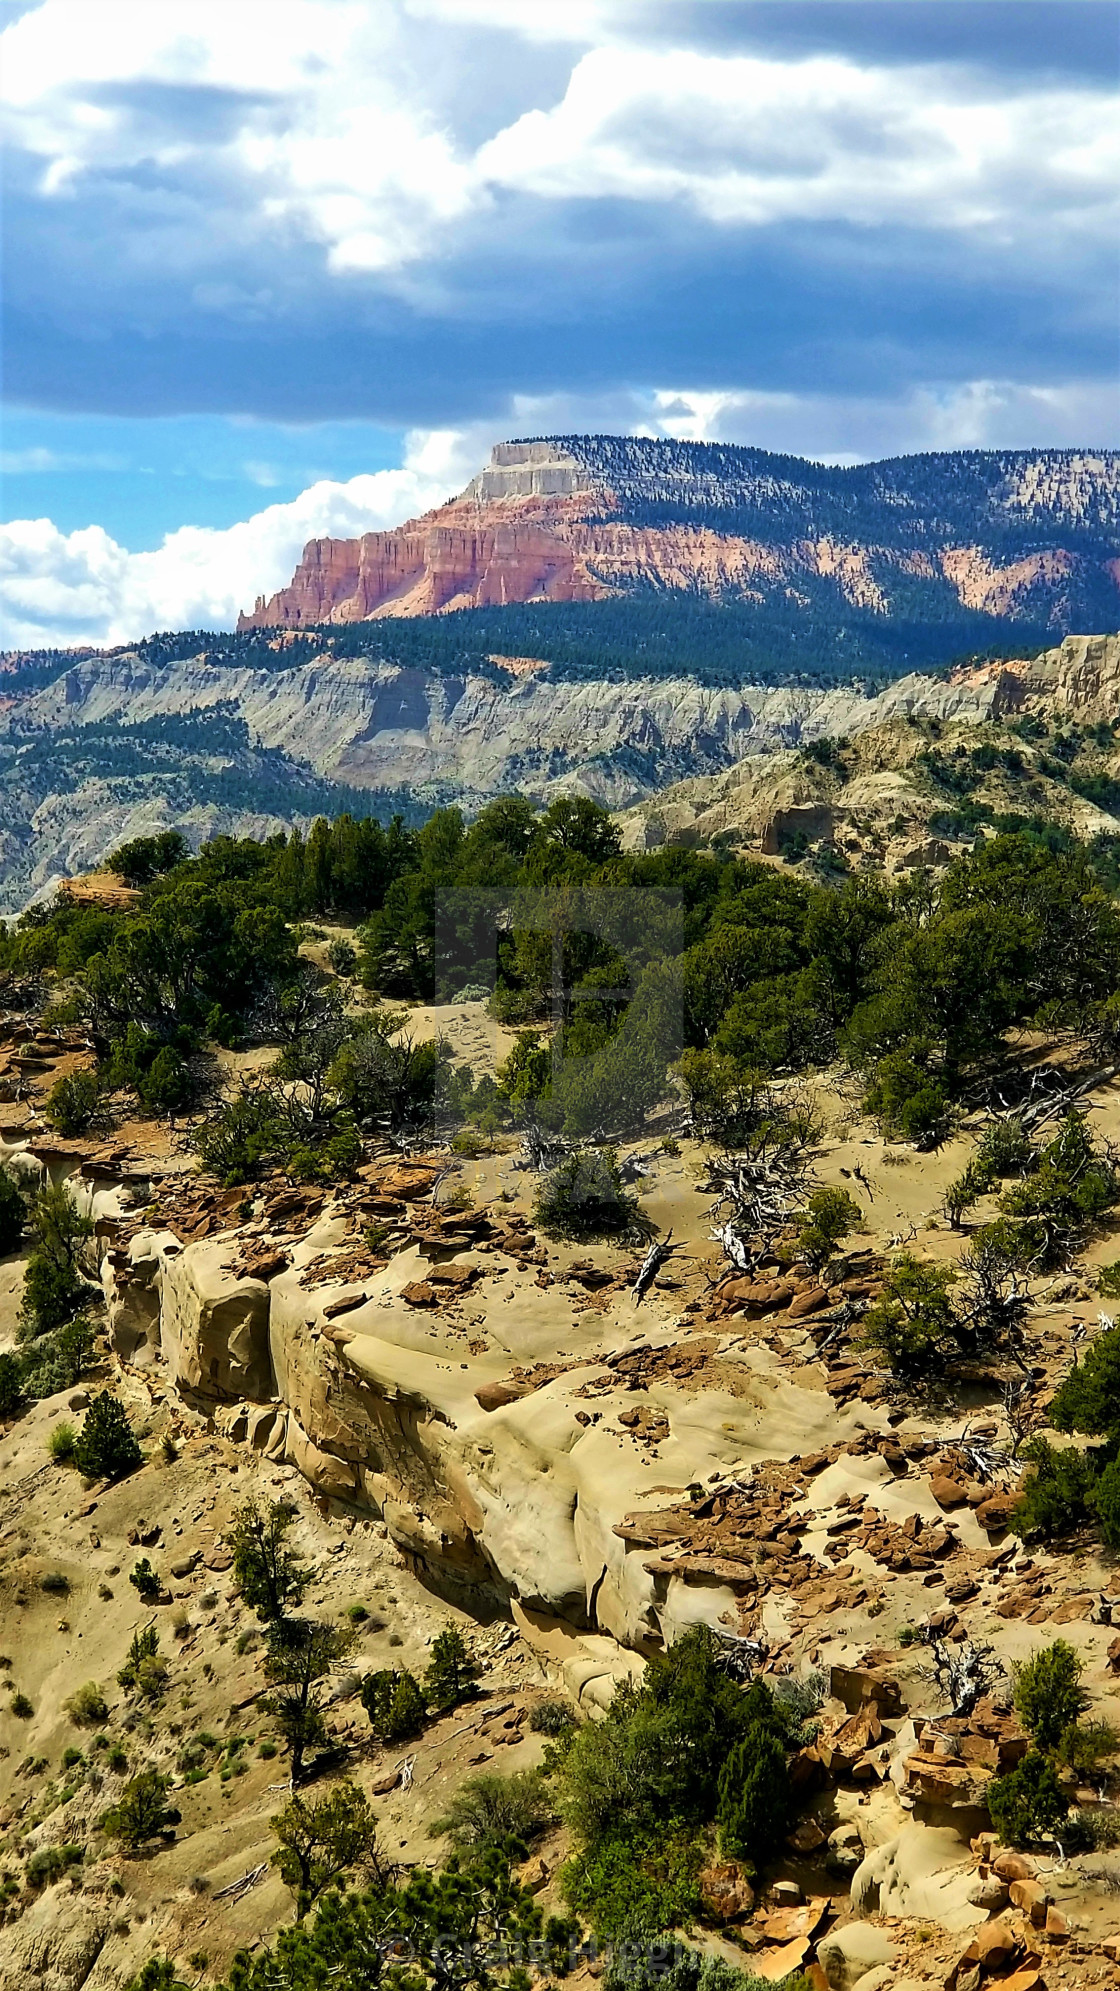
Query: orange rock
(1031, 1897)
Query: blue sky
(281, 267)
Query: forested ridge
(651, 633)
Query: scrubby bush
(141, 1812)
(143, 1648)
(553, 1718)
(87, 1706)
(343, 957)
(12, 1397)
(1028, 1803)
(1048, 1695)
(13, 1215)
(166, 1085)
(447, 1680)
(54, 1285)
(1085, 1745)
(584, 1198)
(492, 1811)
(75, 1104)
(61, 1442)
(909, 1102)
(1060, 1493)
(48, 1863)
(106, 1447)
(636, 1884)
(145, 1580)
(829, 1216)
(754, 1794)
(913, 1318)
(1088, 1400)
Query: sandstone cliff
(1033, 535)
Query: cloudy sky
(276, 268)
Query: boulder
(847, 1955)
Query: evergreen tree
(106, 1446)
(447, 1680)
(395, 1705)
(754, 1800)
(269, 1575)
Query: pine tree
(447, 1680)
(754, 1795)
(106, 1446)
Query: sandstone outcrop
(575, 518)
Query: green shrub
(106, 1447)
(1088, 1399)
(913, 1318)
(1048, 1693)
(49, 1862)
(1106, 1503)
(343, 957)
(21, 1707)
(87, 1706)
(909, 1103)
(754, 1796)
(447, 1680)
(1059, 1495)
(829, 1216)
(166, 1085)
(632, 1885)
(394, 1704)
(141, 1812)
(74, 1104)
(61, 1442)
(491, 1811)
(553, 1718)
(584, 1198)
(55, 1582)
(1085, 1745)
(1108, 1280)
(145, 1580)
(1028, 1803)
(13, 1215)
(54, 1286)
(143, 1648)
(12, 1398)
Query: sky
(281, 268)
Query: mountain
(1028, 537)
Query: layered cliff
(1026, 536)
(330, 733)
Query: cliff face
(1030, 535)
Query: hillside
(1021, 537)
(475, 1413)
(233, 736)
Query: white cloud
(750, 141)
(336, 130)
(61, 588)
